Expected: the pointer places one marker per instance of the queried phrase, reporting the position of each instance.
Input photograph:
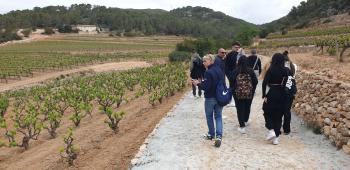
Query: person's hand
(265, 99)
(195, 82)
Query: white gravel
(177, 143)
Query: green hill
(302, 15)
(191, 21)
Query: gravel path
(177, 143)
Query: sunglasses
(223, 52)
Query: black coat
(230, 62)
(251, 61)
(198, 69)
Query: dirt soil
(31, 38)
(327, 66)
(99, 147)
(40, 77)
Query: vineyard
(66, 52)
(336, 40)
(25, 114)
(311, 32)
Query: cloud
(254, 11)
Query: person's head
(291, 65)
(242, 64)
(277, 60)
(236, 46)
(253, 51)
(285, 53)
(208, 60)
(221, 53)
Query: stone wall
(325, 105)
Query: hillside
(310, 13)
(193, 21)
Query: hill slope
(193, 21)
(307, 13)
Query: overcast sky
(254, 11)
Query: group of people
(242, 72)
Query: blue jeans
(212, 109)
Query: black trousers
(194, 90)
(274, 121)
(243, 110)
(287, 115)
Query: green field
(64, 52)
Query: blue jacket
(210, 81)
(220, 63)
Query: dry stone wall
(325, 104)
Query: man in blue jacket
(220, 59)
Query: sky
(254, 11)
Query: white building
(87, 29)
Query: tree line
(189, 21)
(307, 11)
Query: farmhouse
(86, 29)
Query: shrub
(69, 151)
(7, 36)
(26, 32)
(48, 31)
(332, 51)
(4, 103)
(327, 21)
(179, 56)
(133, 33)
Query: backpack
(244, 86)
(223, 94)
(290, 88)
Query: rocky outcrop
(325, 104)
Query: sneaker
(286, 133)
(270, 135)
(275, 141)
(246, 123)
(217, 142)
(208, 136)
(242, 130)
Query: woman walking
(244, 82)
(212, 109)
(254, 62)
(275, 100)
(290, 95)
(197, 72)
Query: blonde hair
(210, 57)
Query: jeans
(212, 109)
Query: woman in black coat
(275, 99)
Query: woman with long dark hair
(243, 82)
(275, 100)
